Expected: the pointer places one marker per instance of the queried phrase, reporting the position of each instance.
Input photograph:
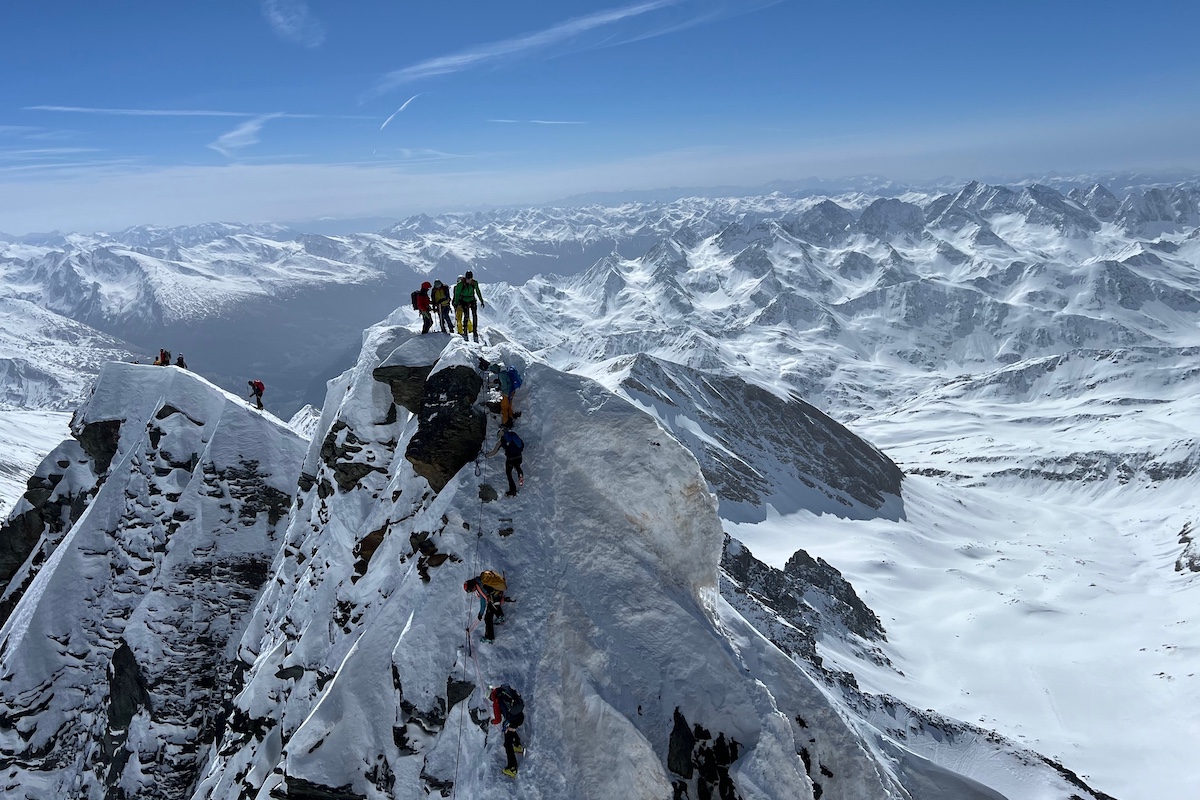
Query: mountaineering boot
(510, 494)
(477, 338)
(521, 481)
(512, 773)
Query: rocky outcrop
(794, 606)
(1189, 559)
(57, 494)
(450, 427)
(408, 383)
(119, 670)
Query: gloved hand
(482, 304)
(479, 615)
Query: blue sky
(132, 111)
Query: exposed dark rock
(408, 384)
(679, 750)
(99, 440)
(55, 508)
(1189, 559)
(850, 610)
(248, 486)
(366, 548)
(300, 789)
(339, 450)
(450, 427)
(792, 605)
(127, 695)
(444, 788)
(457, 691)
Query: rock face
(157, 527)
(450, 427)
(57, 495)
(743, 435)
(809, 597)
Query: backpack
(514, 378)
(510, 702)
(414, 299)
(493, 582)
(259, 388)
(511, 438)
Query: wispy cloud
(293, 22)
(141, 112)
(400, 156)
(17, 130)
(398, 110)
(539, 121)
(188, 112)
(509, 48)
(242, 136)
(656, 18)
(44, 152)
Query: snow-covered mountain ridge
(352, 678)
(127, 569)
(1027, 357)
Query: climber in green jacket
(468, 299)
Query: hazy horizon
(287, 110)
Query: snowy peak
(632, 668)
(1099, 200)
(887, 218)
(1045, 206)
(758, 450)
(129, 565)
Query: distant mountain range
(1025, 356)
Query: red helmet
(426, 285)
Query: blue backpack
(511, 438)
(514, 378)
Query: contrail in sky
(398, 110)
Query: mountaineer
(489, 587)
(514, 450)
(508, 710)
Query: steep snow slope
(47, 363)
(127, 569)
(26, 436)
(361, 684)
(1023, 350)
